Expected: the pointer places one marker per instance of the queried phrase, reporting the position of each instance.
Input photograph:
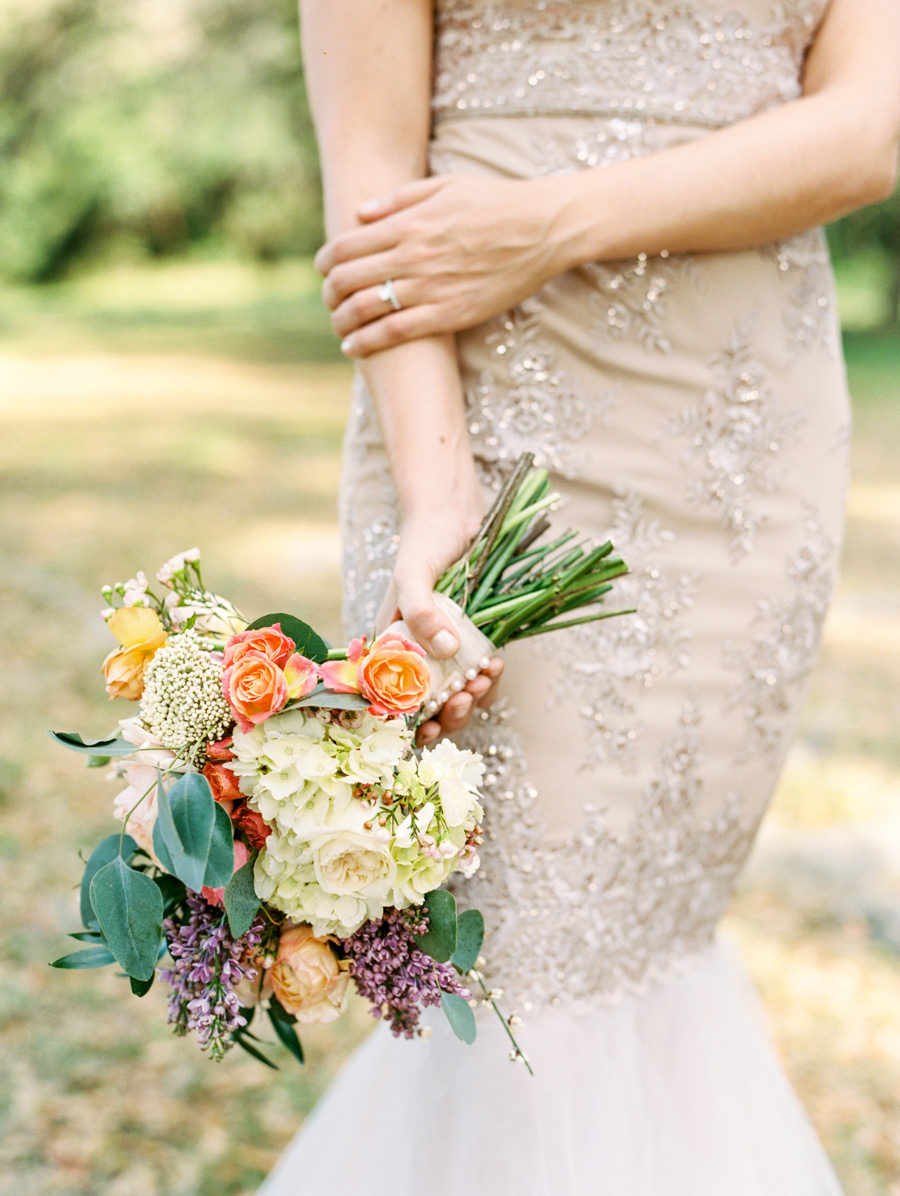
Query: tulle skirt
(677, 1091)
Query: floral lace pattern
(603, 912)
(738, 434)
(634, 58)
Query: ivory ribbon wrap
(449, 676)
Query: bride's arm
(368, 74)
(465, 248)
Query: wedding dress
(694, 410)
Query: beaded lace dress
(694, 410)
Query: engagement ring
(387, 294)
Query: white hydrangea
(337, 855)
(183, 701)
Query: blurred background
(168, 378)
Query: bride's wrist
(577, 219)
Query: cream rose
(350, 863)
(307, 977)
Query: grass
(123, 437)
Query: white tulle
(675, 1092)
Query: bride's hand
(458, 249)
(429, 542)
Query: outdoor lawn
(144, 410)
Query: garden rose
(353, 864)
(265, 641)
(255, 688)
(307, 977)
(141, 634)
(394, 676)
(252, 824)
(341, 676)
(224, 784)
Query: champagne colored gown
(693, 409)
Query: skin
(462, 249)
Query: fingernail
(347, 344)
(444, 643)
(368, 208)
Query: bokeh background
(168, 378)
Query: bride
(589, 228)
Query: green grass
(142, 411)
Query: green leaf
(140, 988)
(241, 901)
(98, 761)
(86, 936)
(172, 889)
(129, 907)
(330, 700)
(90, 957)
(192, 836)
(440, 939)
(460, 1016)
(309, 643)
(114, 746)
(469, 937)
(283, 1025)
(242, 1041)
(105, 851)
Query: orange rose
(307, 977)
(394, 676)
(223, 782)
(255, 688)
(252, 824)
(139, 631)
(270, 642)
(301, 675)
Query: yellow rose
(307, 977)
(139, 631)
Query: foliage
(153, 129)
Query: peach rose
(301, 676)
(270, 642)
(252, 824)
(139, 631)
(217, 896)
(255, 688)
(394, 676)
(221, 749)
(307, 977)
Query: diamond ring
(387, 294)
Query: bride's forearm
(770, 176)
(368, 73)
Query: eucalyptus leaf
(241, 901)
(283, 1025)
(90, 957)
(328, 699)
(469, 937)
(86, 936)
(98, 761)
(309, 643)
(140, 988)
(192, 835)
(114, 746)
(105, 851)
(129, 907)
(440, 939)
(460, 1016)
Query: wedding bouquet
(282, 839)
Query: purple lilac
(394, 973)
(208, 966)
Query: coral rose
(139, 631)
(341, 676)
(301, 675)
(254, 688)
(224, 784)
(394, 676)
(307, 977)
(252, 824)
(270, 642)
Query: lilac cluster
(394, 973)
(208, 967)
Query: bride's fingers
(403, 197)
(356, 275)
(423, 319)
(368, 304)
(356, 243)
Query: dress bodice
(705, 63)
